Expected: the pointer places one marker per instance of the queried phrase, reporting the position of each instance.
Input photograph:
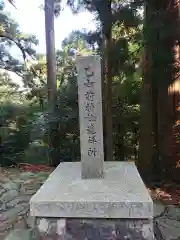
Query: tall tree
(51, 78)
(146, 125)
(161, 41)
(109, 13)
(169, 91)
(107, 33)
(104, 15)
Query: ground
(16, 188)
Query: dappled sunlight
(166, 193)
(174, 87)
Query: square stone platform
(120, 195)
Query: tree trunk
(146, 124)
(103, 73)
(156, 163)
(168, 95)
(165, 127)
(162, 34)
(108, 86)
(120, 152)
(51, 79)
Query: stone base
(120, 194)
(93, 229)
(116, 207)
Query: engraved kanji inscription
(89, 95)
(90, 128)
(92, 152)
(92, 139)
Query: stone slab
(121, 194)
(94, 229)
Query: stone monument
(92, 199)
(90, 115)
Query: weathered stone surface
(166, 222)
(8, 196)
(96, 229)
(121, 194)
(54, 229)
(21, 235)
(7, 224)
(2, 207)
(169, 223)
(30, 221)
(14, 212)
(2, 190)
(11, 186)
(15, 193)
(90, 115)
(13, 203)
(20, 224)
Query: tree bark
(108, 86)
(162, 36)
(51, 79)
(146, 117)
(168, 95)
(103, 73)
(163, 20)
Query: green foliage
(24, 120)
(36, 153)
(15, 131)
(69, 121)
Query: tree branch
(12, 3)
(18, 44)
